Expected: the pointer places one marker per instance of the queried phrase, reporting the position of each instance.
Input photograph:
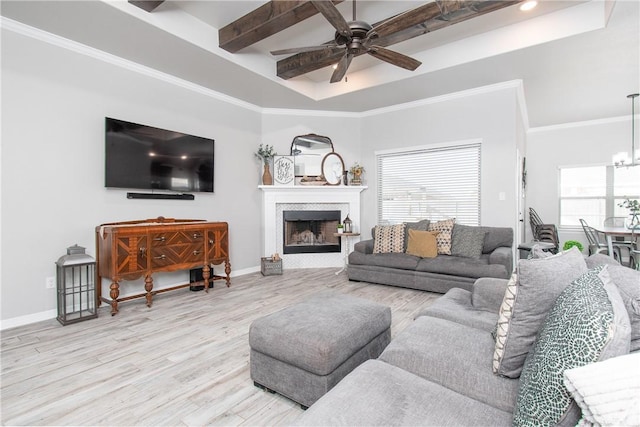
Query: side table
(347, 242)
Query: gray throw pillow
(540, 281)
(467, 241)
(628, 283)
(587, 323)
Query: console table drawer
(177, 255)
(177, 237)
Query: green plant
(340, 226)
(571, 243)
(266, 152)
(632, 204)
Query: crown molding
(585, 123)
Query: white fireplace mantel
(344, 198)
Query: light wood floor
(185, 361)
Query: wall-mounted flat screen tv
(147, 158)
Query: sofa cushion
(459, 266)
(393, 260)
(422, 243)
(453, 355)
(388, 239)
(467, 241)
(422, 225)
(379, 394)
(456, 305)
(540, 281)
(445, 229)
(587, 323)
(502, 326)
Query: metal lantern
(348, 225)
(75, 274)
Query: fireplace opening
(310, 232)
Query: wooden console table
(134, 249)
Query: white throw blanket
(608, 392)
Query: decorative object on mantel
(622, 159)
(356, 172)
(308, 151)
(314, 180)
(283, 170)
(76, 286)
(348, 225)
(340, 228)
(332, 168)
(266, 153)
(634, 212)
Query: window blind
(434, 183)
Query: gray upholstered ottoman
(303, 351)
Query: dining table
(610, 232)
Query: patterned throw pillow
(502, 327)
(422, 244)
(388, 239)
(444, 228)
(587, 323)
(467, 241)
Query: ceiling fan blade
(305, 49)
(333, 15)
(341, 70)
(395, 58)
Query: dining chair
(619, 241)
(534, 220)
(597, 241)
(634, 255)
(547, 233)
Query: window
(594, 192)
(435, 183)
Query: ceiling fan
(354, 38)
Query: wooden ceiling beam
(265, 21)
(147, 5)
(418, 21)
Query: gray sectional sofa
(437, 274)
(438, 371)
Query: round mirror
(333, 168)
(308, 151)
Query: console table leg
(227, 270)
(114, 293)
(148, 286)
(206, 274)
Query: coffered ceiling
(577, 60)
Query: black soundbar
(160, 196)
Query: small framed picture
(283, 170)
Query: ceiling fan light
(622, 158)
(528, 5)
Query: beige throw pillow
(444, 228)
(422, 243)
(388, 239)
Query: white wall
(489, 116)
(54, 102)
(572, 144)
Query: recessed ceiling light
(528, 5)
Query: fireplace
(309, 231)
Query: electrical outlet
(50, 282)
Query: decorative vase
(634, 220)
(267, 178)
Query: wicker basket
(269, 267)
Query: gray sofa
(437, 274)
(438, 371)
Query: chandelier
(622, 159)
